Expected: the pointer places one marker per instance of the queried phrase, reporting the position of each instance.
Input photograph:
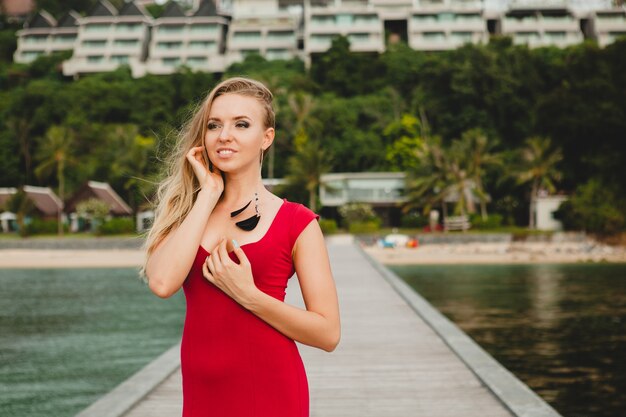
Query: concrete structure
(608, 25)
(195, 39)
(210, 38)
(108, 39)
(43, 35)
(376, 188)
(545, 206)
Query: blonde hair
(177, 192)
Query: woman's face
(236, 132)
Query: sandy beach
(63, 258)
(431, 253)
(499, 253)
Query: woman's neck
(240, 189)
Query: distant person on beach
(232, 245)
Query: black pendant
(236, 212)
(249, 223)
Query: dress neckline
(266, 232)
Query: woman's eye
(242, 124)
(212, 126)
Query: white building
(195, 39)
(545, 206)
(262, 27)
(608, 25)
(108, 39)
(43, 35)
(376, 188)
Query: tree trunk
(533, 202)
(312, 199)
(61, 179)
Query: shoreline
(425, 254)
(498, 253)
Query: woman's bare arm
(170, 262)
(319, 324)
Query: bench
(456, 223)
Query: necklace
(251, 222)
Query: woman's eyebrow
(235, 118)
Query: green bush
(369, 226)
(595, 207)
(117, 226)
(42, 227)
(413, 220)
(493, 221)
(328, 226)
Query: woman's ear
(268, 138)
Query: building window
(95, 59)
(95, 44)
(119, 59)
(556, 36)
(248, 52)
(206, 28)
(281, 36)
(445, 17)
(434, 36)
(464, 37)
(322, 39)
(247, 36)
(368, 19)
(424, 18)
(468, 17)
(617, 18)
(359, 37)
(525, 37)
(36, 39)
(196, 61)
(29, 56)
(277, 54)
(126, 42)
(323, 20)
(64, 38)
(171, 62)
(344, 19)
(127, 27)
(169, 45)
(205, 45)
(171, 29)
(97, 27)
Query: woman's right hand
(209, 180)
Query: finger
(210, 264)
(223, 251)
(206, 273)
(241, 255)
(217, 258)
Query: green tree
(55, 154)
(538, 166)
(307, 165)
(403, 139)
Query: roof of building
(44, 199)
(5, 195)
(102, 191)
(173, 9)
(42, 19)
(103, 8)
(133, 9)
(206, 8)
(69, 20)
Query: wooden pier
(392, 360)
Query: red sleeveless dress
(233, 363)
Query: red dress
(233, 363)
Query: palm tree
(480, 157)
(307, 165)
(55, 153)
(538, 167)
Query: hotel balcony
(443, 41)
(376, 188)
(609, 25)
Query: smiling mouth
(225, 152)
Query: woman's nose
(224, 134)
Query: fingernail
(235, 244)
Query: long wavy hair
(177, 193)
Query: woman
(238, 356)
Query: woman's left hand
(235, 279)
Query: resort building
(210, 35)
(196, 40)
(357, 20)
(43, 35)
(262, 27)
(108, 38)
(101, 191)
(439, 25)
(608, 25)
(43, 201)
(546, 24)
